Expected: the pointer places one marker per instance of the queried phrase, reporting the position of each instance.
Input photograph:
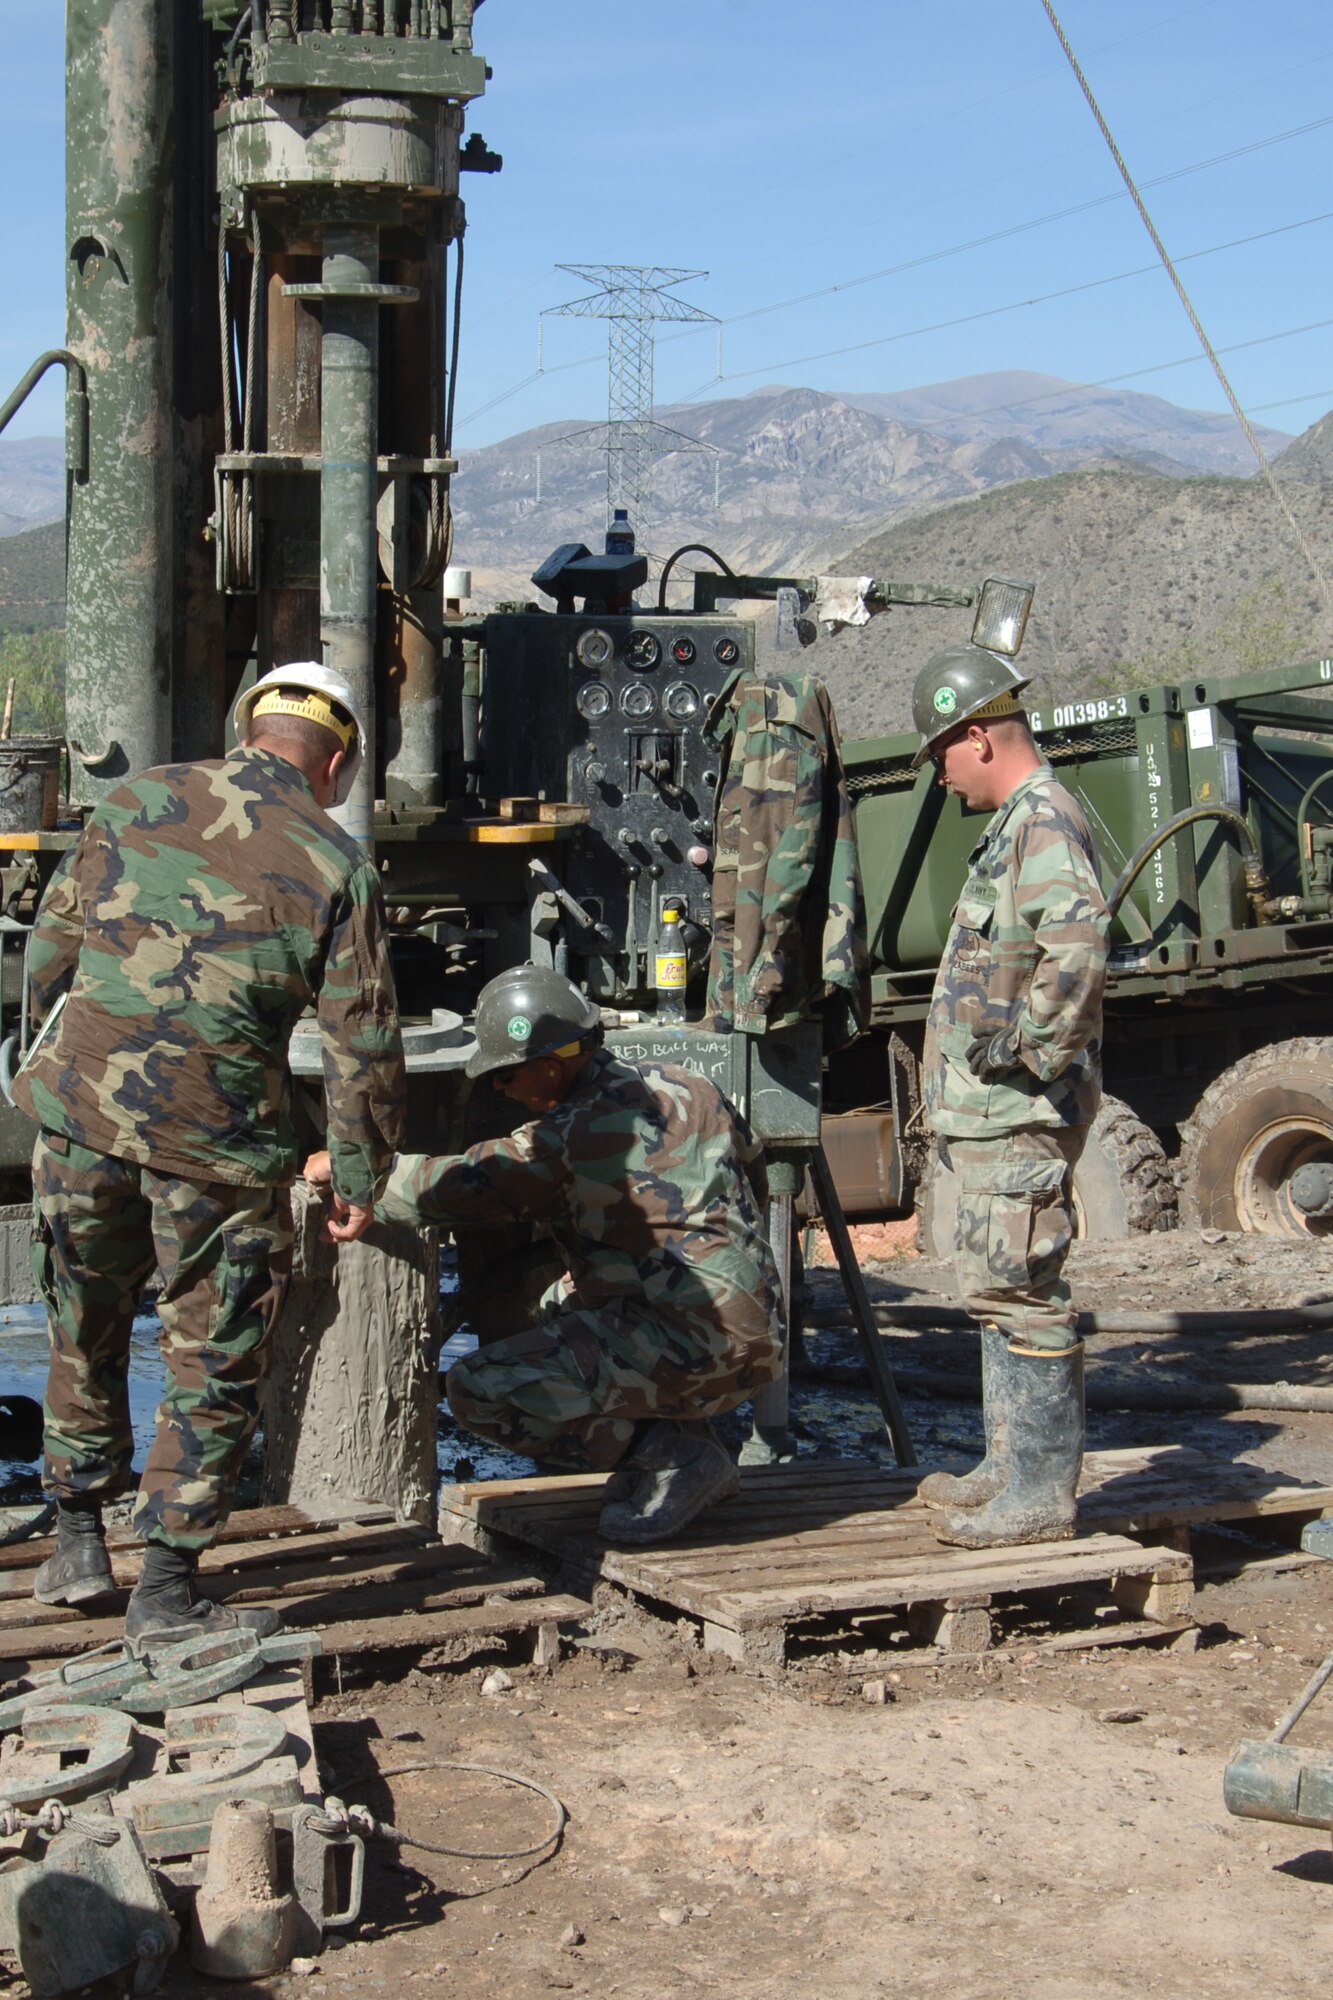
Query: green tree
(35, 663)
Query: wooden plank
(295, 1557)
(434, 1629)
(251, 1524)
(300, 1609)
(1067, 1564)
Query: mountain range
(1154, 553)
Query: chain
(52, 1818)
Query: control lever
(553, 886)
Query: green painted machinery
(1212, 806)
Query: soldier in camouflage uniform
(788, 921)
(204, 908)
(652, 1190)
(1012, 1082)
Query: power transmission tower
(632, 298)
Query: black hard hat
(526, 1013)
(963, 684)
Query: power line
(940, 326)
(1016, 305)
(1153, 368)
(928, 257)
(1014, 229)
(769, 187)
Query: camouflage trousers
(1015, 1225)
(101, 1227)
(572, 1390)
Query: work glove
(992, 1057)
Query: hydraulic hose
(1256, 880)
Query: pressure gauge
(637, 701)
(682, 651)
(593, 648)
(643, 651)
(726, 652)
(593, 699)
(681, 701)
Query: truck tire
(1122, 1185)
(1259, 1121)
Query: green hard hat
(526, 1013)
(963, 684)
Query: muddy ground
(1038, 1822)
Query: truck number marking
(1073, 714)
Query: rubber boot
(985, 1481)
(165, 1607)
(80, 1569)
(1045, 1455)
(682, 1468)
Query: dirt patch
(1035, 1822)
(990, 1829)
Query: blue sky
(826, 162)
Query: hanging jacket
(788, 919)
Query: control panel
(608, 713)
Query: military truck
(1211, 802)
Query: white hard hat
(315, 693)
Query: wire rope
(1299, 535)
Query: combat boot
(679, 1468)
(165, 1607)
(985, 1481)
(623, 1481)
(80, 1569)
(1046, 1430)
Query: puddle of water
(841, 1421)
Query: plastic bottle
(620, 535)
(669, 969)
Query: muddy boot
(1045, 1454)
(165, 1607)
(681, 1469)
(985, 1481)
(80, 1569)
(624, 1479)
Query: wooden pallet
(829, 1538)
(365, 1583)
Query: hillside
(783, 473)
(32, 482)
(1139, 578)
(32, 578)
(1057, 416)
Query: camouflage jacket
(788, 922)
(650, 1185)
(1027, 952)
(205, 907)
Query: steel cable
(338, 1818)
(1302, 540)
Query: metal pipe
(76, 405)
(118, 209)
(770, 1405)
(835, 1224)
(1103, 1390)
(348, 545)
(1281, 1319)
